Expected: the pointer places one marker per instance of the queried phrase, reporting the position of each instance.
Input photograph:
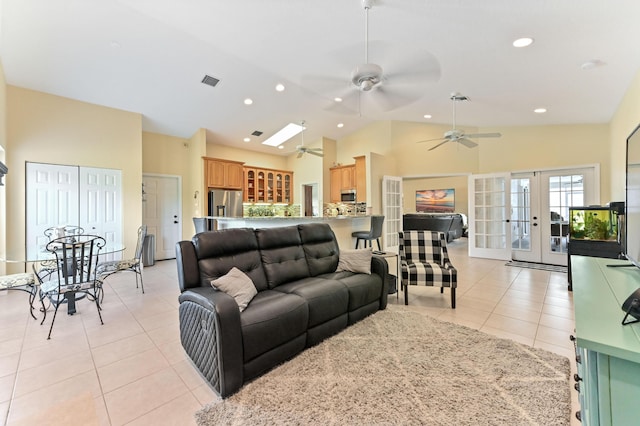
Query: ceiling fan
(301, 149)
(390, 89)
(455, 135)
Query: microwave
(348, 196)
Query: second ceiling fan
(455, 135)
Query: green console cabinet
(607, 352)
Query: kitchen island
(342, 226)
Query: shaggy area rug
(402, 367)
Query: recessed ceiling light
(337, 99)
(523, 42)
(340, 125)
(248, 101)
(540, 110)
(281, 147)
(280, 87)
(247, 139)
(427, 116)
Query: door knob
(175, 221)
(535, 224)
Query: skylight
(284, 134)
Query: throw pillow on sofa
(237, 285)
(355, 261)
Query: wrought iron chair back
(76, 259)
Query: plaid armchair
(424, 260)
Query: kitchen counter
(342, 226)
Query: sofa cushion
(362, 288)
(327, 298)
(282, 255)
(272, 319)
(237, 285)
(219, 251)
(320, 247)
(355, 261)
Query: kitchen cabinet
(361, 179)
(348, 178)
(223, 174)
(268, 185)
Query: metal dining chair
(134, 265)
(76, 260)
(69, 231)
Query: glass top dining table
(40, 254)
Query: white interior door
(51, 200)
(392, 211)
(525, 220)
(161, 212)
(489, 230)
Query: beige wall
(625, 120)
(3, 192)
(170, 155)
(250, 158)
(51, 129)
(459, 183)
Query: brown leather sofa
(301, 299)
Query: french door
(489, 203)
(540, 203)
(392, 210)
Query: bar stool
(373, 234)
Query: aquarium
(593, 223)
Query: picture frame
(435, 200)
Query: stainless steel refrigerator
(225, 203)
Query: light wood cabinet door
(336, 184)
(233, 175)
(347, 178)
(249, 193)
(215, 174)
(223, 174)
(361, 179)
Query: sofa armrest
(211, 335)
(380, 267)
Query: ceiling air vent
(257, 133)
(211, 81)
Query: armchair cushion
(237, 285)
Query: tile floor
(132, 370)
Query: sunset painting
(435, 200)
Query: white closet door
(59, 195)
(101, 203)
(52, 200)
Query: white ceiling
(149, 56)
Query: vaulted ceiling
(150, 56)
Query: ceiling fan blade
(483, 135)
(441, 143)
(467, 142)
(431, 140)
(300, 154)
(317, 154)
